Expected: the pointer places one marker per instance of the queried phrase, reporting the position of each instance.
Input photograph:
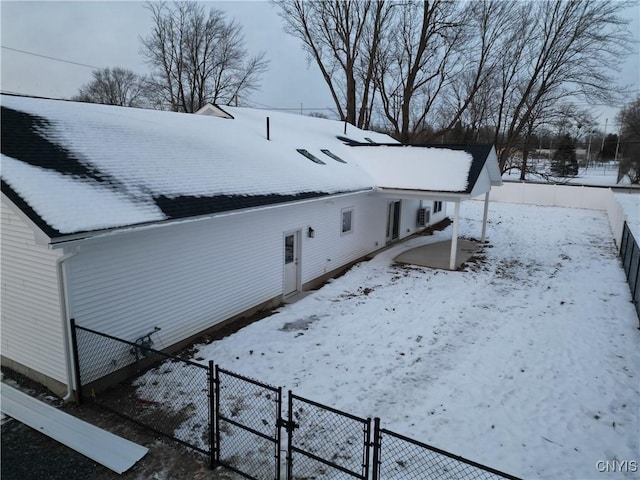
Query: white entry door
(291, 263)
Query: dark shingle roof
(74, 167)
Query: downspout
(62, 291)
(454, 237)
(485, 216)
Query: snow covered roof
(436, 168)
(77, 167)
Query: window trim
(344, 211)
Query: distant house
(127, 219)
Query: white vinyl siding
(31, 327)
(437, 217)
(408, 215)
(188, 277)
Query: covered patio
(438, 255)
(446, 173)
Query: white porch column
(484, 218)
(454, 237)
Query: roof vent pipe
(268, 135)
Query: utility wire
(263, 106)
(93, 67)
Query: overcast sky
(105, 34)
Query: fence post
(635, 256)
(366, 464)
(216, 417)
(212, 416)
(377, 444)
(290, 438)
(76, 359)
(278, 432)
(628, 254)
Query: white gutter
(423, 194)
(69, 240)
(66, 333)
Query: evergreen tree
(564, 162)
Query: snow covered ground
(528, 361)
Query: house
(131, 220)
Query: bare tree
(343, 38)
(198, 57)
(421, 69)
(114, 86)
(416, 63)
(488, 25)
(562, 48)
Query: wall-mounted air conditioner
(424, 217)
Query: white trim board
(112, 451)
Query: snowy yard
(528, 361)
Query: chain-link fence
(325, 443)
(237, 421)
(247, 426)
(630, 254)
(160, 392)
(397, 457)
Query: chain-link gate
(396, 457)
(237, 421)
(247, 426)
(325, 443)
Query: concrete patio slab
(436, 255)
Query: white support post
(484, 218)
(454, 237)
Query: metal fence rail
(325, 443)
(161, 400)
(247, 426)
(630, 254)
(397, 457)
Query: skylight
(310, 156)
(333, 155)
(347, 140)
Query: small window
(437, 207)
(333, 155)
(347, 220)
(310, 156)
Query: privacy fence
(238, 422)
(630, 255)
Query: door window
(289, 246)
